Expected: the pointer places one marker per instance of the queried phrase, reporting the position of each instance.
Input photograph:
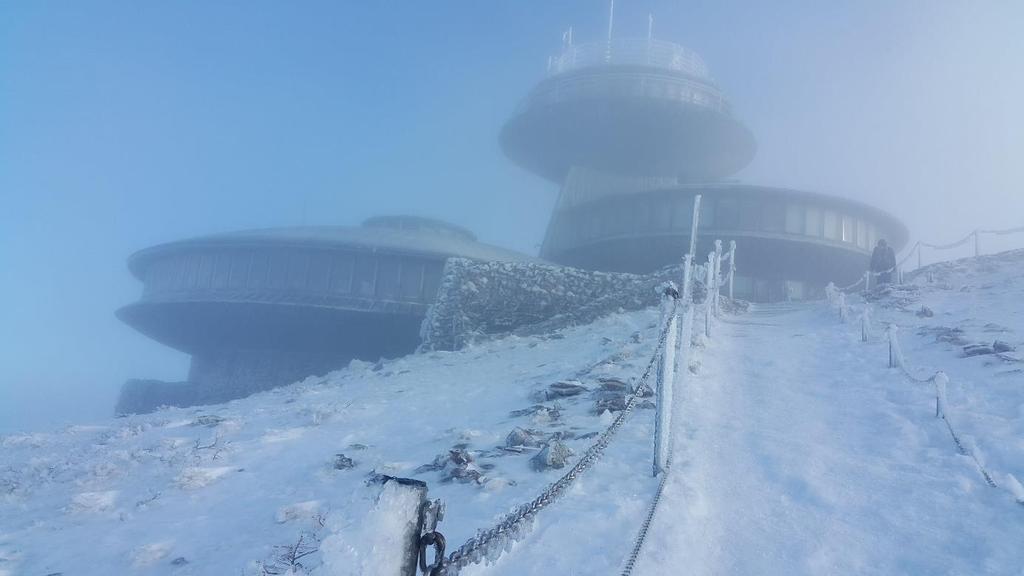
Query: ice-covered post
(666, 377)
(718, 275)
(692, 252)
(842, 306)
(977, 244)
(865, 323)
(830, 293)
(399, 513)
(709, 298)
(890, 332)
(732, 265)
(941, 381)
(687, 278)
(867, 281)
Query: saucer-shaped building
(262, 308)
(631, 130)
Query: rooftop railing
(629, 52)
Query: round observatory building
(262, 308)
(632, 130)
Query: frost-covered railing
(629, 52)
(940, 380)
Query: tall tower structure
(631, 130)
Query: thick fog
(126, 124)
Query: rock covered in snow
(563, 389)
(553, 455)
(519, 437)
(342, 462)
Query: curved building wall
(791, 243)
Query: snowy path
(798, 452)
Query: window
(205, 271)
(642, 216)
(727, 214)
(662, 214)
(365, 275)
(431, 279)
(847, 229)
(239, 269)
(277, 274)
(388, 276)
(707, 214)
(683, 217)
(831, 225)
(258, 270)
(411, 281)
(319, 272)
(812, 225)
(774, 217)
(298, 268)
(221, 271)
(795, 219)
(341, 273)
(750, 215)
(191, 271)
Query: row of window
(663, 213)
(631, 86)
(382, 276)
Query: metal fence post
(666, 379)
(941, 381)
(732, 265)
(718, 275)
(709, 299)
(890, 332)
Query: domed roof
(400, 234)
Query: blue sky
(124, 124)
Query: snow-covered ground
(214, 490)
(797, 451)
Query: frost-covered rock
(554, 454)
(519, 437)
(1001, 346)
(563, 389)
(342, 462)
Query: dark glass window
(239, 269)
(277, 275)
(319, 272)
(389, 273)
(341, 273)
(258, 270)
(750, 215)
(683, 217)
(774, 217)
(728, 214)
(191, 271)
(411, 282)
(708, 218)
(795, 219)
(205, 271)
(432, 279)
(298, 268)
(365, 275)
(221, 270)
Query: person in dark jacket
(883, 262)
